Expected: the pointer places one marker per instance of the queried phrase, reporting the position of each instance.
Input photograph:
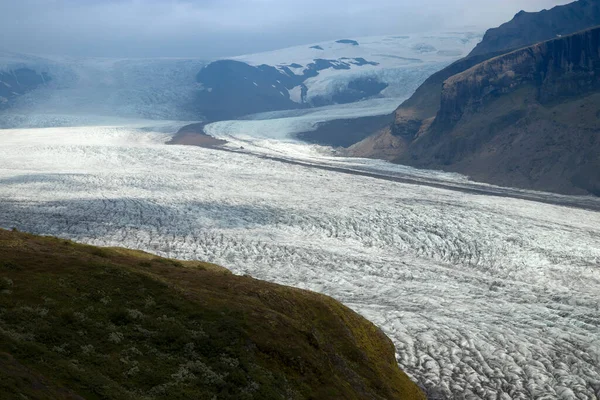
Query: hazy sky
(217, 28)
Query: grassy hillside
(84, 322)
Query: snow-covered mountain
(334, 72)
(53, 91)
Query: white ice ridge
(484, 297)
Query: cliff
(425, 102)
(528, 119)
(79, 322)
(525, 29)
(558, 69)
(466, 117)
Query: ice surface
(401, 61)
(282, 125)
(389, 51)
(484, 297)
(86, 90)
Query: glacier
(96, 91)
(402, 62)
(485, 293)
(485, 297)
(88, 91)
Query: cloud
(217, 28)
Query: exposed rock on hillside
(528, 28)
(525, 29)
(328, 73)
(510, 118)
(232, 89)
(527, 119)
(558, 69)
(347, 41)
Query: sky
(211, 29)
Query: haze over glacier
(484, 296)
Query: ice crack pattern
(484, 297)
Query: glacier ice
(398, 61)
(87, 91)
(485, 297)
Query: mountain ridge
(527, 28)
(327, 73)
(528, 119)
(430, 129)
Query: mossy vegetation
(78, 321)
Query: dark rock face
(316, 47)
(527, 119)
(558, 70)
(232, 89)
(425, 102)
(347, 41)
(18, 82)
(407, 130)
(526, 29)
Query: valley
(480, 294)
(488, 288)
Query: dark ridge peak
(347, 41)
(528, 28)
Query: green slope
(84, 322)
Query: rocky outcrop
(524, 30)
(528, 119)
(558, 69)
(499, 114)
(425, 102)
(529, 28)
(347, 41)
(230, 89)
(17, 82)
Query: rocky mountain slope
(527, 28)
(97, 323)
(338, 72)
(524, 30)
(524, 118)
(529, 118)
